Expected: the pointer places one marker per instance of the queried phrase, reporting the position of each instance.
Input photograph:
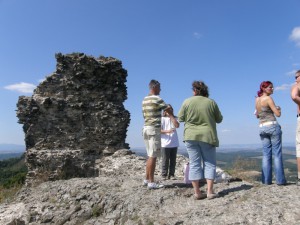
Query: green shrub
(12, 177)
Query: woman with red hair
(270, 134)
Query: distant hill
(11, 148)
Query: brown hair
(164, 112)
(200, 88)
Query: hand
(171, 131)
(169, 111)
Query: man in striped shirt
(152, 108)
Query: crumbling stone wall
(75, 116)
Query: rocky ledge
(116, 196)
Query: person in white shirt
(169, 144)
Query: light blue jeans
(271, 140)
(202, 158)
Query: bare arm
(295, 94)
(276, 110)
(256, 107)
(166, 131)
(174, 120)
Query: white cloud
(197, 35)
(21, 87)
(283, 87)
(295, 36)
(291, 73)
(225, 130)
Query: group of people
(200, 115)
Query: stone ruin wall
(74, 117)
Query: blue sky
(232, 45)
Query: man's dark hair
(153, 84)
(200, 88)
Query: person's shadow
(234, 189)
(221, 193)
(184, 185)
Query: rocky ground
(117, 197)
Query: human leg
(208, 153)
(197, 193)
(298, 165)
(165, 155)
(298, 149)
(267, 156)
(151, 164)
(195, 167)
(150, 168)
(195, 159)
(173, 155)
(210, 189)
(152, 142)
(276, 140)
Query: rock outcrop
(117, 197)
(74, 116)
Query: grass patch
(7, 195)
(246, 169)
(12, 177)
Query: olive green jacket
(200, 115)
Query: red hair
(263, 84)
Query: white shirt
(169, 140)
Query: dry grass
(7, 195)
(245, 169)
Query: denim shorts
(202, 159)
(152, 141)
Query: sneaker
(155, 186)
(145, 183)
(298, 182)
(164, 177)
(172, 178)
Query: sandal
(199, 197)
(212, 196)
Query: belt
(267, 123)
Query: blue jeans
(271, 140)
(202, 159)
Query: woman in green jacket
(200, 115)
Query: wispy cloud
(197, 35)
(21, 87)
(283, 87)
(225, 131)
(291, 73)
(295, 36)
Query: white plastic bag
(186, 169)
